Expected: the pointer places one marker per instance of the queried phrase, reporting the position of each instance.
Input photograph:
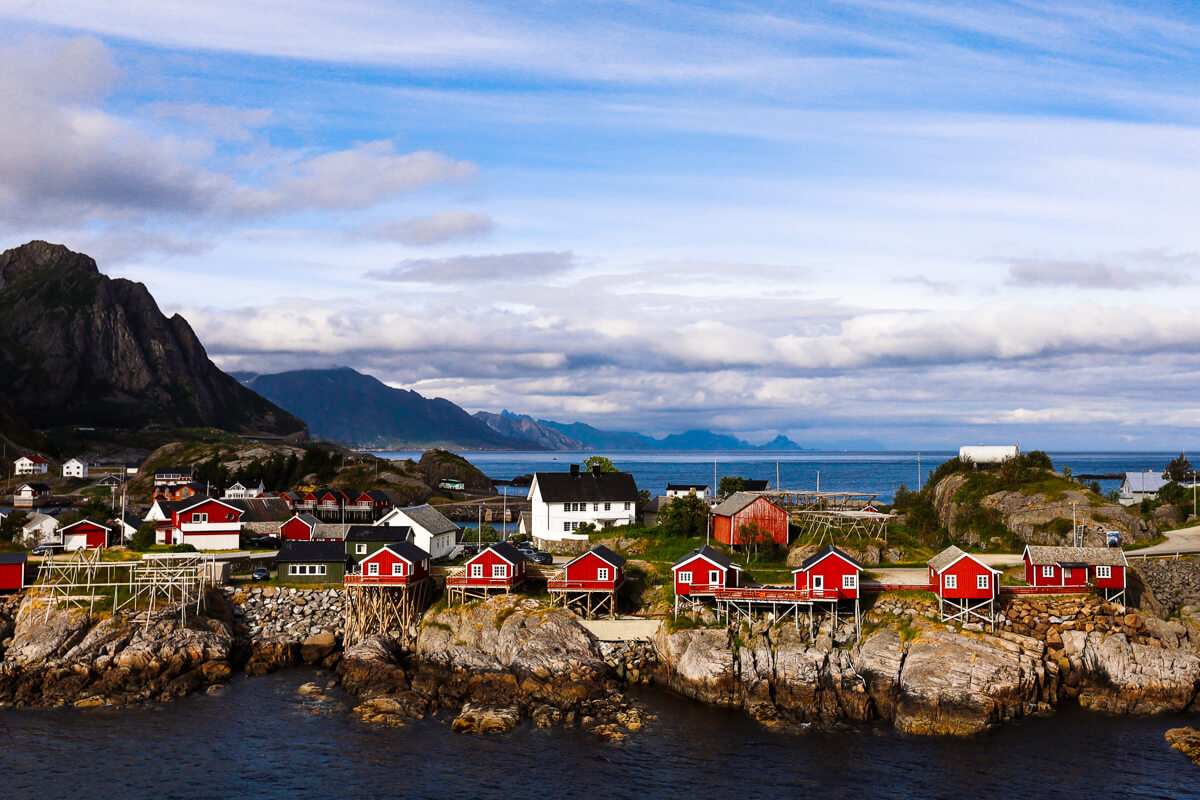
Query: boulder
(484, 719)
(317, 647)
(1121, 677)
(878, 659)
(1186, 741)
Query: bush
(685, 516)
(143, 537)
(182, 548)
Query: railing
(358, 579)
(461, 579)
(565, 585)
(1045, 589)
(897, 587)
(774, 594)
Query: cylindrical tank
(989, 454)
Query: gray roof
(949, 556)
(378, 533)
(430, 519)
(712, 554)
(1091, 556)
(299, 552)
(308, 519)
(656, 504)
(507, 552)
(607, 555)
(13, 558)
(734, 503)
(261, 509)
(1145, 481)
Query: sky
(871, 223)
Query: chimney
(596, 471)
(575, 470)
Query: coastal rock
(1186, 741)
(372, 667)
(1125, 678)
(268, 655)
(484, 719)
(317, 647)
(879, 659)
(952, 684)
(702, 665)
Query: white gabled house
(239, 491)
(75, 468)
(701, 490)
(31, 465)
(40, 528)
(1139, 486)
(563, 502)
(431, 530)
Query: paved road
(1184, 540)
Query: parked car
(265, 541)
(260, 574)
(540, 557)
(470, 549)
(45, 549)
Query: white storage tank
(989, 453)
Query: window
(566, 526)
(951, 581)
(197, 517)
(595, 506)
(714, 577)
(849, 581)
(373, 568)
(306, 569)
(1047, 572)
(685, 577)
(574, 526)
(627, 506)
(477, 570)
(499, 571)
(602, 574)
(361, 549)
(398, 568)
(818, 583)
(1103, 572)
(982, 582)
(608, 506)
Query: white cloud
(472, 269)
(442, 226)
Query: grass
(1144, 545)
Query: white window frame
(608, 506)
(477, 570)
(199, 518)
(951, 582)
(566, 527)
(627, 506)
(850, 581)
(499, 571)
(360, 549)
(685, 577)
(602, 574)
(1047, 572)
(983, 581)
(398, 568)
(1103, 571)
(714, 577)
(373, 568)
(818, 583)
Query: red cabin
(743, 508)
(599, 569)
(703, 570)
(12, 571)
(1077, 567)
(958, 575)
(828, 574)
(499, 566)
(85, 535)
(300, 528)
(397, 564)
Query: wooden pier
(376, 605)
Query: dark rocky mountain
(14, 431)
(345, 406)
(596, 439)
(522, 426)
(79, 348)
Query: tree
(10, 529)
(143, 537)
(731, 484)
(756, 543)
(1066, 473)
(1179, 469)
(598, 462)
(685, 516)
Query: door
(818, 584)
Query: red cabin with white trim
(208, 524)
(398, 564)
(958, 575)
(12, 571)
(703, 571)
(300, 528)
(828, 574)
(85, 535)
(1075, 567)
(596, 570)
(497, 566)
(743, 508)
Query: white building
(32, 495)
(203, 522)
(241, 492)
(701, 490)
(75, 469)
(31, 465)
(563, 502)
(431, 531)
(1139, 486)
(39, 528)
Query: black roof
(824, 551)
(378, 533)
(683, 486)
(711, 553)
(507, 551)
(38, 487)
(754, 485)
(562, 487)
(607, 555)
(13, 558)
(409, 551)
(324, 551)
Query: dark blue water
(261, 739)
(877, 473)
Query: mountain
(79, 348)
(14, 431)
(345, 406)
(596, 439)
(526, 428)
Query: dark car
(45, 549)
(540, 557)
(265, 541)
(470, 549)
(260, 574)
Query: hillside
(78, 348)
(345, 406)
(595, 439)
(521, 426)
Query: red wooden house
(703, 570)
(966, 587)
(396, 564)
(300, 528)
(85, 535)
(1077, 567)
(180, 491)
(498, 567)
(828, 574)
(12, 571)
(590, 581)
(207, 524)
(743, 508)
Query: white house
(701, 490)
(39, 528)
(75, 469)
(431, 531)
(241, 492)
(31, 495)
(1139, 486)
(562, 502)
(32, 465)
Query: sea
(872, 473)
(258, 738)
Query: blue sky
(895, 222)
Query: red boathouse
(744, 508)
(828, 574)
(12, 571)
(966, 588)
(500, 567)
(300, 528)
(396, 564)
(701, 572)
(1077, 568)
(85, 535)
(590, 581)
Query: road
(1184, 540)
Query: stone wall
(1174, 585)
(264, 611)
(633, 662)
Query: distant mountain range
(345, 406)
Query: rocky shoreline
(494, 664)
